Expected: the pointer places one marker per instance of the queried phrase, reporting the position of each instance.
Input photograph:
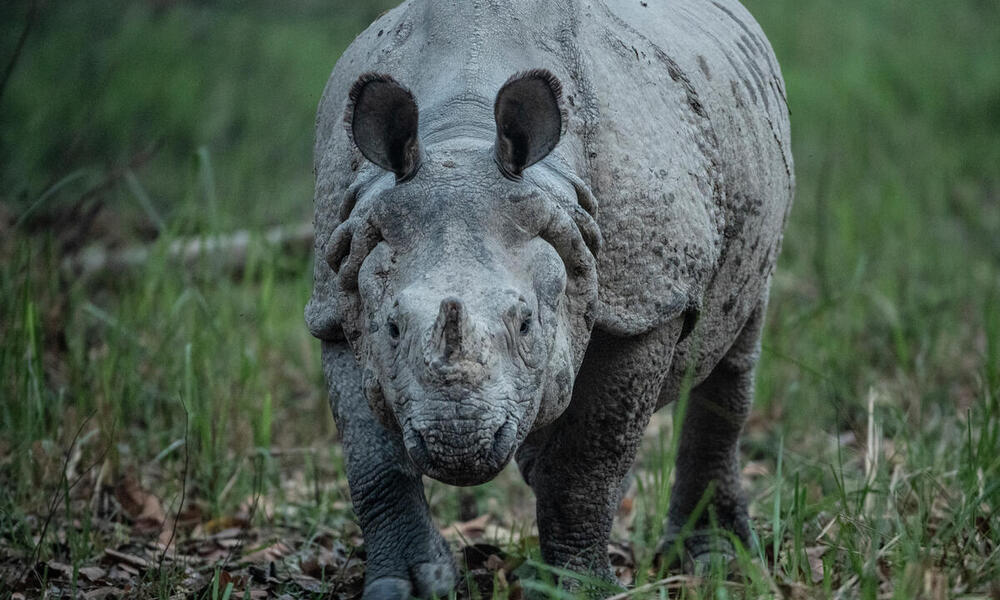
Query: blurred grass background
(146, 122)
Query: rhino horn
(448, 335)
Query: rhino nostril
(392, 328)
(525, 326)
(416, 447)
(498, 436)
(503, 440)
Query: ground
(163, 426)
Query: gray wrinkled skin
(476, 305)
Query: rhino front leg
(578, 468)
(708, 471)
(406, 554)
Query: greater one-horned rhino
(533, 221)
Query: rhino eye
(393, 329)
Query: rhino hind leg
(707, 503)
(405, 553)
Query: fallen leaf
(625, 576)
(62, 568)
(935, 585)
(93, 573)
(216, 585)
(144, 508)
(795, 591)
(623, 561)
(321, 563)
(626, 507)
(117, 573)
(621, 555)
(466, 531)
(128, 560)
(477, 556)
(815, 556)
(219, 526)
(308, 584)
(494, 562)
(103, 593)
(755, 469)
(274, 552)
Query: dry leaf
(103, 593)
(626, 507)
(320, 563)
(272, 553)
(93, 573)
(623, 561)
(62, 568)
(309, 584)
(755, 469)
(128, 560)
(141, 506)
(494, 563)
(217, 527)
(815, 556)
(935, 585)
(466, 531)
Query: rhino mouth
(459, 457)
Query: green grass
(874, 448)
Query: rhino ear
(529, 117)
(381, 119)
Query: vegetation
(183, 403)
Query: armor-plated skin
(469, 311)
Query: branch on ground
(228, 251)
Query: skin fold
(527, 234)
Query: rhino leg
(578, 466)
(406, 554)
(708, 470)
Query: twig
(29, 22)
(673, 582)
(184, 476)
(229, 250)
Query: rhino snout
(459, 456)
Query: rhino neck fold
(466, 117)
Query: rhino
(537, 223)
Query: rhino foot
(426, 580)
(434, 578)
(699, 553)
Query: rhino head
(467, 281)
